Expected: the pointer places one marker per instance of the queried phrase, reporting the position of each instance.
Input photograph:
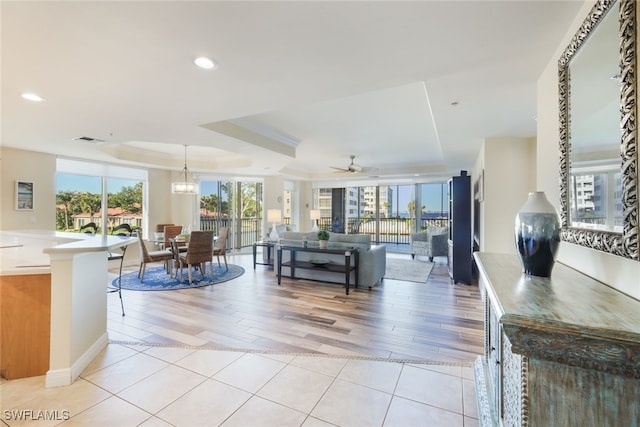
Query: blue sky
(208, 187)
(403, 197)
(90, 184)
(431, 197)
(93, 184)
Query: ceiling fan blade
(339, 169)
(354, 168)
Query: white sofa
(371, 264)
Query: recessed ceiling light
(32, 97)
(205, 63)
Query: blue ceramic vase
(537, 235)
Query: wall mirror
(598, 137)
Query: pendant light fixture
(184, 183)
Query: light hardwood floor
(408, 321)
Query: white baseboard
(58, 377)
(66, 376)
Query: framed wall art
(24, 195)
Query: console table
(265, 245)
(332, 267)
(558, 351)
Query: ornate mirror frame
(625, 244)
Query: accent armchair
(431, 242)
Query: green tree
(70, 203)
(129, 198)
(90, 203)
(248, 206)
(231, 197)
(210, 202)
(63, 210)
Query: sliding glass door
(433, 205)
(234, 204)
(388, 213)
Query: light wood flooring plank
(433, 321)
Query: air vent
(89, 139)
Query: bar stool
(120, 230)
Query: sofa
(431, 242)
(371, 263)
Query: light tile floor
(135, 385)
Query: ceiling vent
(89, 140)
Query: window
(433, 204)
(389, 213)
(591, 205)
(91, 192)
(78, 201)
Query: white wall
(27, 166)
(305, 190)
(509, 176)
(159, 207)
(620, 273)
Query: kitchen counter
(54, 305)
(28, 251)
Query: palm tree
(89, 203)
(63, 203)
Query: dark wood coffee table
(332, 267)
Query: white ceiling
(300, 85)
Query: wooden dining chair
(199, 252)
(160, 227)
(171, 232)
(147, 256)
(220, 249)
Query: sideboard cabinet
(558, 351)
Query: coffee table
(332, 267)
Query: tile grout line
(331, 356)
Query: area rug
(157, 279)
(408, 270)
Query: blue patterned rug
(157, 279)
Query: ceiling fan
(353, 168)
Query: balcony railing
(390, 230)
(250, 230)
